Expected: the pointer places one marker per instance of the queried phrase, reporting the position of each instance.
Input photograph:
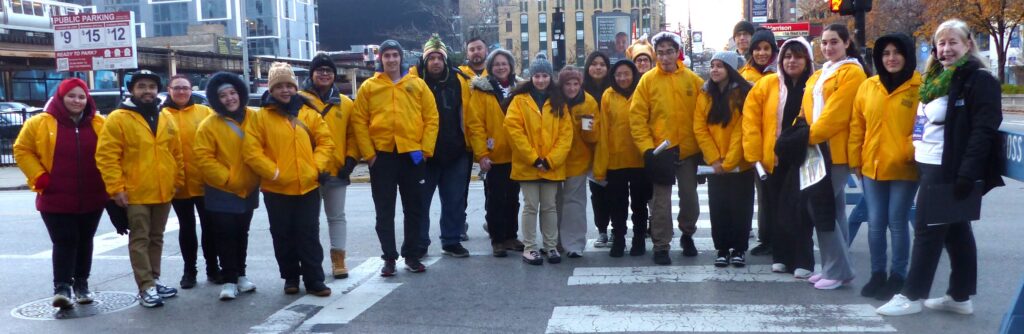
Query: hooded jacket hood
(636, 78)
(489, 63)
(905, 45)
(218, 80)
(810, 54)
(763, 35)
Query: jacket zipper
(78, 163)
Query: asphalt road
(482, 294)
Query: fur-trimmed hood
(219, 79)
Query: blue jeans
(858, 216)
(451, 179)
(889, 207)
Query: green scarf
(936, 81)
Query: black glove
(649, 157)
(345, 171)
(323, 177)
(962, 188)
(118, 217)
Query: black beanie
(743, 26)
(321, 60)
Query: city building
(281, 28)
(525, 26)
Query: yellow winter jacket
(749, 73)
(272, 145)
(188, 118)
(469, 71)
(218, 154)
(485, 124)
(615, 148)
(834, 123)
(761, 122)
(33, 150)
(581, 152)
(717, 142)
(338, 118)
(662, 108)
(395, 117)
(534, 135)
(881, 130)
(132, 159)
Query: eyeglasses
(668, 53)
(181, 88)
(324, 71)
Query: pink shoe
(827, 284)
(814, 278)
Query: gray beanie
(729, 58)
(541, 64)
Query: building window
(542, 18)
(508, 26)
(288, 9)
(524, 19)
(579, 36)
(579, 4)
(170, 19)
(508, 44)
(213, 10)
(524, 37)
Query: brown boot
(499, 249)
(338, 264)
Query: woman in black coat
(956, 142)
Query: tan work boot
(338, 268)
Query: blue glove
(417, 157)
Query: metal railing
(10, 126)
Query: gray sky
(714, 17)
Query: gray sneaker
(602, 241)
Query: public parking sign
(97, 41)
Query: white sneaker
(946, 303)
(899, 305)
(228, 291)
(801, 273)
(778, 268)
(245, 285)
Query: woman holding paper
(827, 109)
(716, 123)
(881, 150)
(956, 145)
(572, 195)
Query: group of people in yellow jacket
(762, 120)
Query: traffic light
(844, 7)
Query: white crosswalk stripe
(735, 318)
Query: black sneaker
(214, 276)
(62, 296)
(618, 246)
(165, 291)
(661, 258)
(455, 250)
(737, 259)
(689, 249)
(82, 293)
(533, 258)
(389, 268)
(414, 265)
(150, 298)
(874, 285)
(639, 246)
(554, 257)
(188, 280)
(291, 286)
(722, 260)
(761, 249)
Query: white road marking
(716, 318)
(349, 298)
(110, 241)
(676, 274)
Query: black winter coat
(972, 143)
(817, 202)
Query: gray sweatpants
(835, 252)
(572, 213)
(333, 193)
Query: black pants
(71, 235)
(731, 204)
(232, 234)
(792, 239)
(187, 240)
(627, 188)
(390, 171)
(956, 238)
(599, 194)
(295, 227)
(501, 203)
(764, 213)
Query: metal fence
(10, 126)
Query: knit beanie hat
(322, 60)
(435, 44)
(667, 36)
(70, 83)
(540, 64)
(640, 47)
(569, 72)
(281, 72)
(489, 63)
(389, 45)
(743, 26)
(728, 57)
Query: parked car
(18, 106)
(108, 100)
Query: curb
(13, 188)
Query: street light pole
(245, 44)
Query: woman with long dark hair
(595, 81)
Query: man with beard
(139, 156)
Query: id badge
(490, 143)
(919, 123)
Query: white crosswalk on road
(676, 274)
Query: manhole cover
(105, 302)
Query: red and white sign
(97, 41)
(789, 30)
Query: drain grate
(105, 302)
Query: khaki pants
(146, 225)
(689, 206)
(539, 197)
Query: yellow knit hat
(279, 73)
(640, 47)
